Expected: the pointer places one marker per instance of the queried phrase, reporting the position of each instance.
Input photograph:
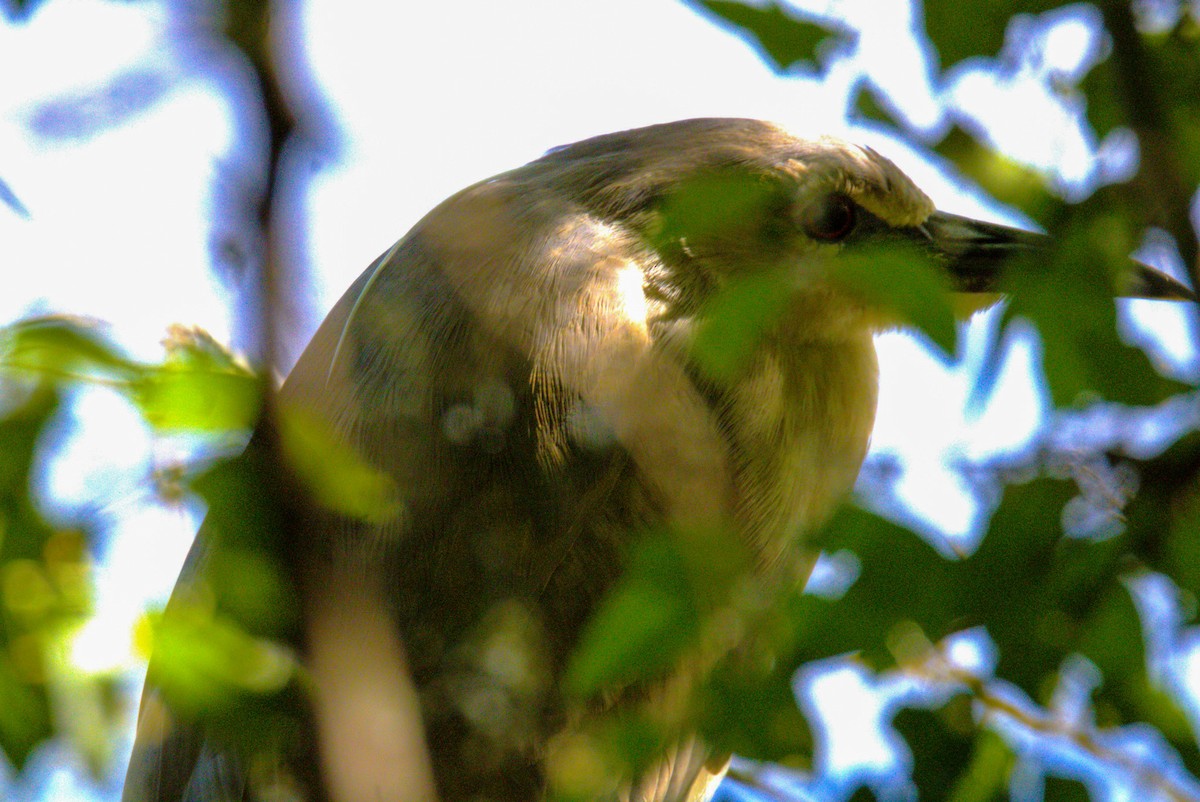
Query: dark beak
(974, 252)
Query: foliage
(1048, 597)
(784, 41)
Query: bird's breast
(798, 423)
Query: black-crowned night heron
(523, 364)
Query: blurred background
(136, 150)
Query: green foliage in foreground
(1044, 597)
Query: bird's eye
(829, 219)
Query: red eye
(829, 219)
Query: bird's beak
(974, 253)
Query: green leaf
(1111, 638)
(23, 532)
(735, 319)
(784, 41)
(1065, 789)
(1083, 355)
(755, 715)
(904, 283)
(24, 712)
(42, 585)
(1006, 180)
(975, 27)
(868, 106)
(1164, 518)
(942, 742)
(647, 621)
(199, 387)
(1027, 584)
(339, 479)
(203, 662)
(718, 212)
(986, 777)
(244, 538)
(1105, 109)
(57, 348)
(732, 204)
(184, 398)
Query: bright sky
(123, 222)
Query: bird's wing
(689, 772)
(171, 761)
(461, 364)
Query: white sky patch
(35, 51)
(855, 743)
(925, 418)
(117, 224)
(972, 650)
(84, 464)
(1043, 58)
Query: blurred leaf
(1026, 583)
(1164, 518)
(884, 594)
(243, 531)
(222, 654)
(1004, 179)
(735, 319)
(58, 347)
(204, 663)
(942, 741)
(24, 712)
(641, 627)
(1105, 109)
(1065, 789)
(1083, 355)
(584, 762)
(198, 387)
(783, 40)
(754, 714)
(1170, 62)
(10, 199)
(26, 593)
(986, 776)
(728, 206)
(19, 10)
(252, 589)
(85, 114)
(90, 713)
(339, 479)
(1161, 529)
(23, 532)
(869, 106)
(904, 282)
(1176, 56)
(1040, 595)
(1111, 638)
(975, 27)
(716, 213)
(244, 691)
(194, 399)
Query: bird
(527, 368)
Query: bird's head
(722, 201)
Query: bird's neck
(798, 423)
